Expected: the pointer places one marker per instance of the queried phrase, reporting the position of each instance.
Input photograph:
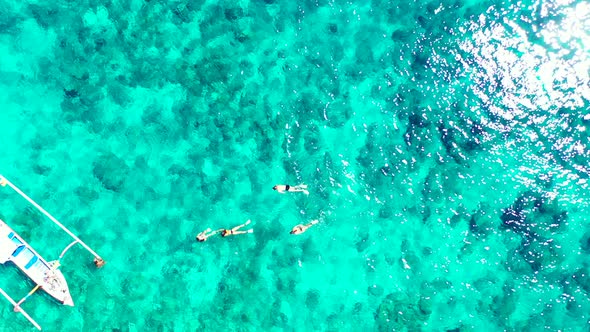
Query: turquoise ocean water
(445, 146)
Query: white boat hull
(45, 274)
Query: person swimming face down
(302, 228)
(283, 188)
(235, 230)
(297, 230)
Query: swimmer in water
(282, 188)
(302, 228)
(235, 230)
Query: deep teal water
(445, 145)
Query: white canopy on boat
(7, 247)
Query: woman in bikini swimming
(302, 228)
(282, 188)
(235, 231)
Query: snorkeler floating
(99, 262)
(235, 231)
(282, 188)
(302, 228)
(204, 235)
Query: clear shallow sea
(445, 145)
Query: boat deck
(13, 248)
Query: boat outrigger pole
(20, 310)
(98, 261)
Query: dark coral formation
(399, 311)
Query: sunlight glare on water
(549, 71)
(532, 75)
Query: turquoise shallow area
(445, 146)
